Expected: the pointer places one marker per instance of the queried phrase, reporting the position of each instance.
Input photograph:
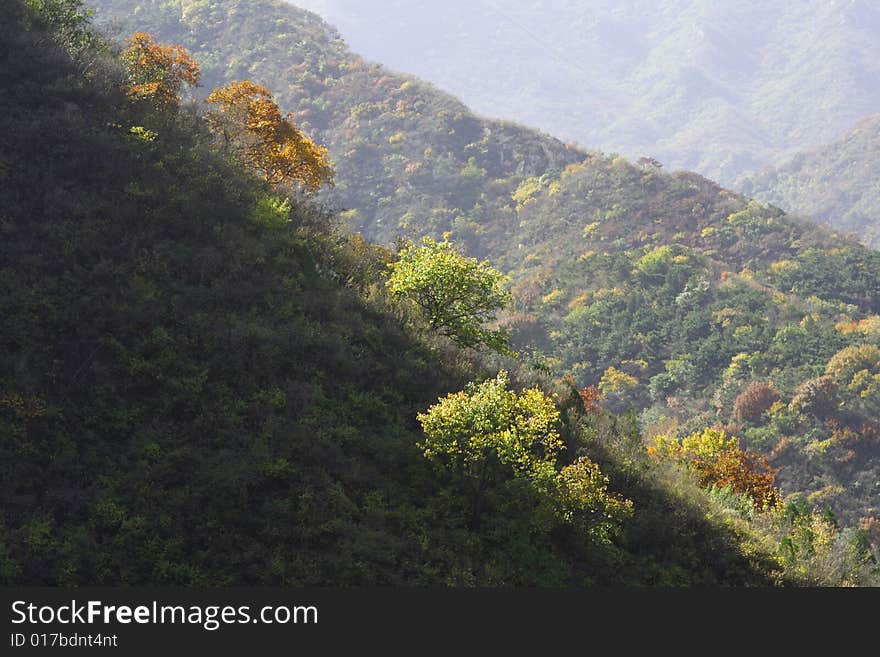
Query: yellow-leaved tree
(717, 459)
(158, 71)
(488, 432)
(252, 126)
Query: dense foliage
(720, 88)
(836, 184)
(202, 383)
(719, 461)
(252, 126)
(455, 295)
(157, 72)
(698, 307)
(667, 292)
(490, 432)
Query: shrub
(754, 401)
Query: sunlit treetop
(253, 127)
(157, 72)
(456, 295)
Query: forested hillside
(203, 382)
(720, 88)
(670, 293)
(836, 184)
(404, 151)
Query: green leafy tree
(582, 498)
(456, 295)
(487, 432)
(487, 427)
(679, 373)
(69, 21)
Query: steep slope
(187, 396)
(691, 291)
(194, 390)
(675, 296)
(837, 184)
(716, 87)
(402, 148)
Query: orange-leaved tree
(158, 71)
(717, 459)
(251, 124)
(592, 399)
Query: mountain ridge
(834, 183)
(616, 267)
(718, 88)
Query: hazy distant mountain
(716, 86)
(837, 184)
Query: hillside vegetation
(670, 293)
(409, 159)
(835, 184)
(721, 88)
(203, 382)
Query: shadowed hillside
(203, 383)
(691, 291)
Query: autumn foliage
(755, 401)
(717, 459)
(157, 72)
(251, 124)
(817, 397)
(591, 398)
